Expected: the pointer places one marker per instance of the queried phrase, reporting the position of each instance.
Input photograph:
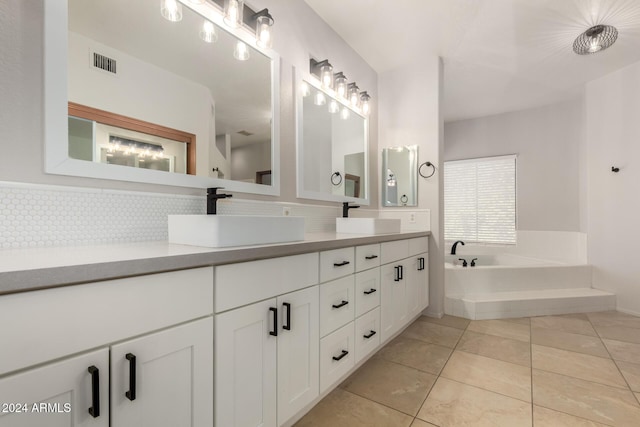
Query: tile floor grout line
(375, 401)
(614, 362)
(443, 366)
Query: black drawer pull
(370, 291)
(340, 264)
(372, 333)
(131, 394)
(275, 321)
(344, 353)
(95, 391)
(342, 304)
(288, 307)
(371, 257)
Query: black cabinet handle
(371, 257)
(396, 273)
(275, 321)
(95, 391)
(344, 353)
(288, 307)
(401, 267)
(342, 304)
(340, 264)
(370, 291)
(420, 264)
(131, 394)
(371, 333)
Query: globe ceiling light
(595, 39)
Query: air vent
(245, 133)
(104, 63)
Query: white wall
(298, 32)
(248, 159)
(410, 100)
(548, 142)
(613, 139)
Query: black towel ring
(336, 176)
(428, 164)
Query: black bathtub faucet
(455, 245)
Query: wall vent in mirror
(162, 73)
(399, 176)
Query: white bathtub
(497, 260)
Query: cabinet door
(298, 351)
(414, 265)
(393, 299)
(245, 366)
(165, 378)
(423, 280)
(62, 393)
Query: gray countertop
(37, 268)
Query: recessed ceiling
(499, 55)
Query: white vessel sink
(367, 225)
(217, 231)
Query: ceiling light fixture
(595, 39)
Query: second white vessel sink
(367, 225)
(217, 231)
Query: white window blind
(480, 200)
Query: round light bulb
(171, 10)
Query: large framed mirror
(332, 144)
(132, 96)
(400, 176)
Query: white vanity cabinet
(266, 352)
(404, 282)
(169, 379)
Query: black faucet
(212, 199)
(345, 209)
(464, 261)
(455, 245)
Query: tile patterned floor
(551, 371)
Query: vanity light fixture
(264, 22)
(241, 52)
(334, 107)
(305, 90)
(354, 94)
(340, 82)
(171, 10)
(323, 70)
(208, 32)
(364, 103)
(233, 10)
(319, 98)
(595, 39)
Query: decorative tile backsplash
(40, 215)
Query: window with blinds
(480, 200)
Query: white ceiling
(499, 55)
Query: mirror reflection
(333, 140)
(399, 176)
(182, 97)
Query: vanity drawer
(40, 326)
(367, 257)
(336, 356)
(248, 282)
(393, 251)
(367, 334)
(336, 263)
(337, 304)
(418, 245)
(367, 290)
